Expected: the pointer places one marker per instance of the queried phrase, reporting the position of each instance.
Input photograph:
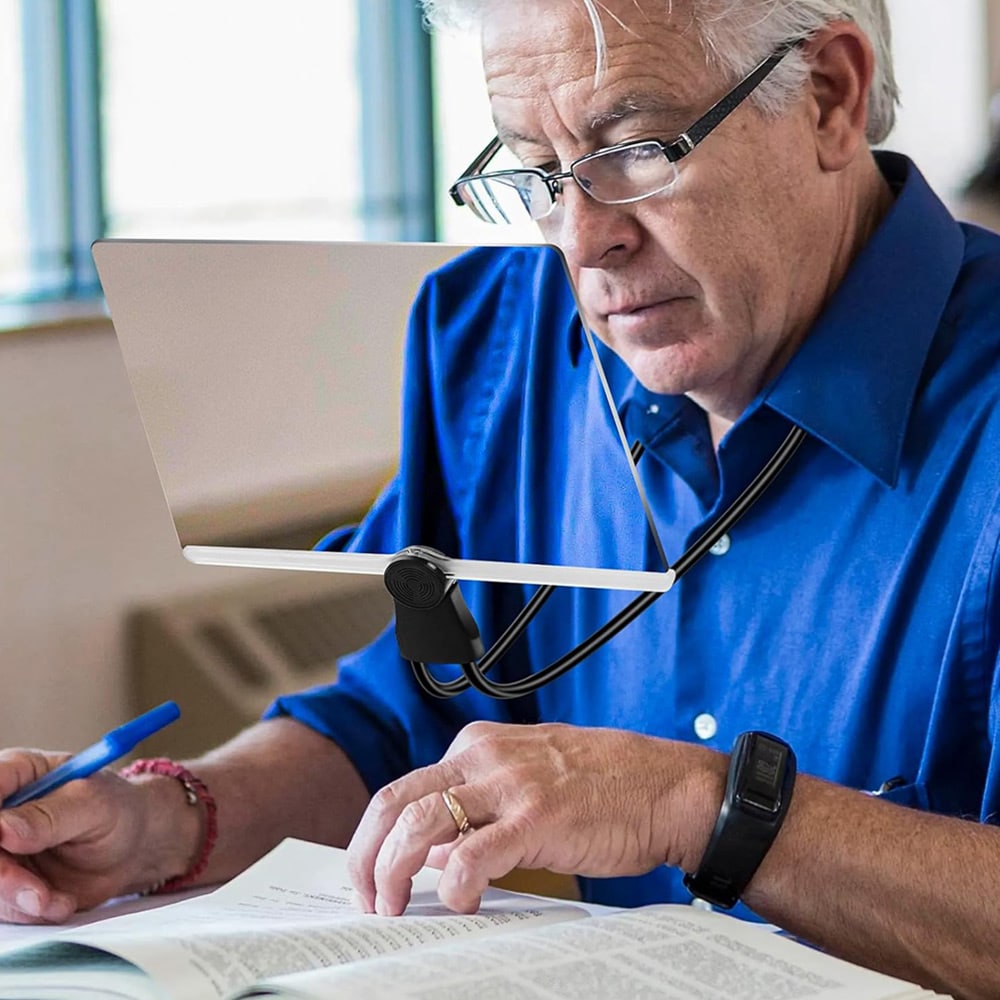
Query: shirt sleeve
(959, 774)
(984, 635)
(375, 711)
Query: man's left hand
(599, 802)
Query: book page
(20, 935)
(666, 952)
(293, 910)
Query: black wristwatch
(758, 793)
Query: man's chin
(668, 364)
(663, 375)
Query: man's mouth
(639, 308)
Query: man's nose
(590, 233)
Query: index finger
(380, 817)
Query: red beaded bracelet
(196, 791)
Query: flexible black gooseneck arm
(433, 623)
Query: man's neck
(718, 427)
(871, 203)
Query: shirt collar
(853, 381)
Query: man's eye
(639, 156)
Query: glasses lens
(625, 173)
(506, 197)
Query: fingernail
(58, 910)
(381, 908)
(361, 903)
(28, 901)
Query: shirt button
(705, 726)
(722, 546)
(653, 409)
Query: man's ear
(842, 65)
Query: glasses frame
(674, 150)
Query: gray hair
(738, 34)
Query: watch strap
(759, 789)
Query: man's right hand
(107, 836)
(79, 845)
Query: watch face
(762, 775)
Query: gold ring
(457, 812)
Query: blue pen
(105, 751)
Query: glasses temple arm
(476, 167)
(728, 104)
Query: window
(187, 119)
(13, 245)
(231, 119)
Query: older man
(758, 270)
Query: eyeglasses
(616, 175)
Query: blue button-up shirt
(856, 612)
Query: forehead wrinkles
(524, 52)
(530, 77)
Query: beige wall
(84, 533)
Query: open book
(287, 927)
